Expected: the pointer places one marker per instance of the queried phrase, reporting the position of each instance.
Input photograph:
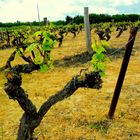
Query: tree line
(101, 18)
(79, 19)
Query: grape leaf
(32, 47)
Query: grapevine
(99, 58)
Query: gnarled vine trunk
(31, 118)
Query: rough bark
(8, 63)
(31, 118)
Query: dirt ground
(83, 116)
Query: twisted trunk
(31, 118)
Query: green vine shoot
(39, 47)
(99, 58)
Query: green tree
(68, 19)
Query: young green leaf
(46, 47)
(43, 68)
(104, 43)
(99, 58)
(32, 47)
(37, 33)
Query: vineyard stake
(87, 30)
(129, 47)
(38, 13)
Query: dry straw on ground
(83, 115)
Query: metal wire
(120, 48)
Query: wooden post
(125, 62)
(38, 13)
(87, 30)
(45, 21)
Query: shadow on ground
(84, 57)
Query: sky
(26, 10)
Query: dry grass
(83, 115)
